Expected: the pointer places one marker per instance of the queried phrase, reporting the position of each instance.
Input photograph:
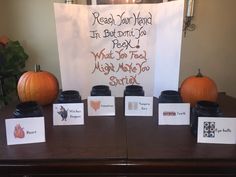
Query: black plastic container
(133, 90)
(203, 109)
(100, 90)
(69, 96)
(170, 96)
(27, 109)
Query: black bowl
(69, 96)
(133, 90)
(27, 109)
(170, 96)
(100, 90)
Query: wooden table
(117, 146)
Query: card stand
(138, 106)
(101, 106)
(173, 114)
(69, 109)
(26, 125)
(216, 130)
(25, 130)
(100, 102)
(68, 114)
(171, 109)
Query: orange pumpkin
(39, 86)
(199, 87)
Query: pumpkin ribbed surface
(198, 88)
(41, 87)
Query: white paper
(119, 45)
(25, 130)
(218, 130)
(101, 106)
(68, 114)
(138, 106)
(174, 113)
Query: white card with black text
(173, 113)
(25, 130)
(218, 130)
(138, 106)
(68, 114)
(101, 105)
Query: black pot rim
(70, 92)
(134, 87)
(27, 109)
(27, 105)
(100, 87)
(170, 92)
(69, 96)
(100, 90)
(133, 90)
(209, 105)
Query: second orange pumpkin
(197, 88)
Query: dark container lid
(170, 96)
(133, 90)
(69, 96)
(207, 108)
(27, 109)
(100, 90)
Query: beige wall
(32, 23)
(2, 17)
(210, 47)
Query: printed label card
(216, 130)
(138, 106)
(101, 106)
(68, 114)
(25, 130)
(174, 113)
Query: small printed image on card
(209, 129)
(132, 105)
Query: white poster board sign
(119, 45)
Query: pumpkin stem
(199, 74)
(37, 68)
